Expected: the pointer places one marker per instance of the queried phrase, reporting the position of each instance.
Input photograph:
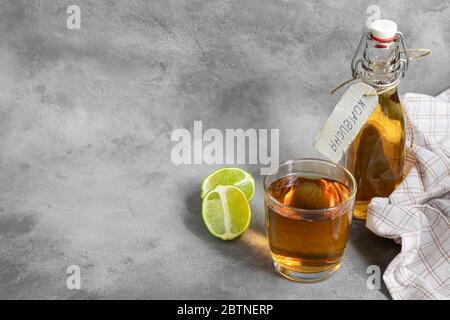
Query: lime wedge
(226, 212)
(230, 177)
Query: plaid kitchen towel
(417, 213)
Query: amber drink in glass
(308, 206)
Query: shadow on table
(373, 249)
(251, 248)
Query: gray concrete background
(85, 124)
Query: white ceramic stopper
(383, 29)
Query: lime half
(226, 212)
(230, 177)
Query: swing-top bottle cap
(383, 30)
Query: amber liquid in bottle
(376, 155)
(312, 244)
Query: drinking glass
(308, 207)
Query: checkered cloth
(417, 213)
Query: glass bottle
(376, 156)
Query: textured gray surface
(86, 118)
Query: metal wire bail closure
(357, 60)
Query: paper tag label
(347, 119)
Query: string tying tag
(379, 91)
(348, 117)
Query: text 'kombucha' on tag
(348, 117)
